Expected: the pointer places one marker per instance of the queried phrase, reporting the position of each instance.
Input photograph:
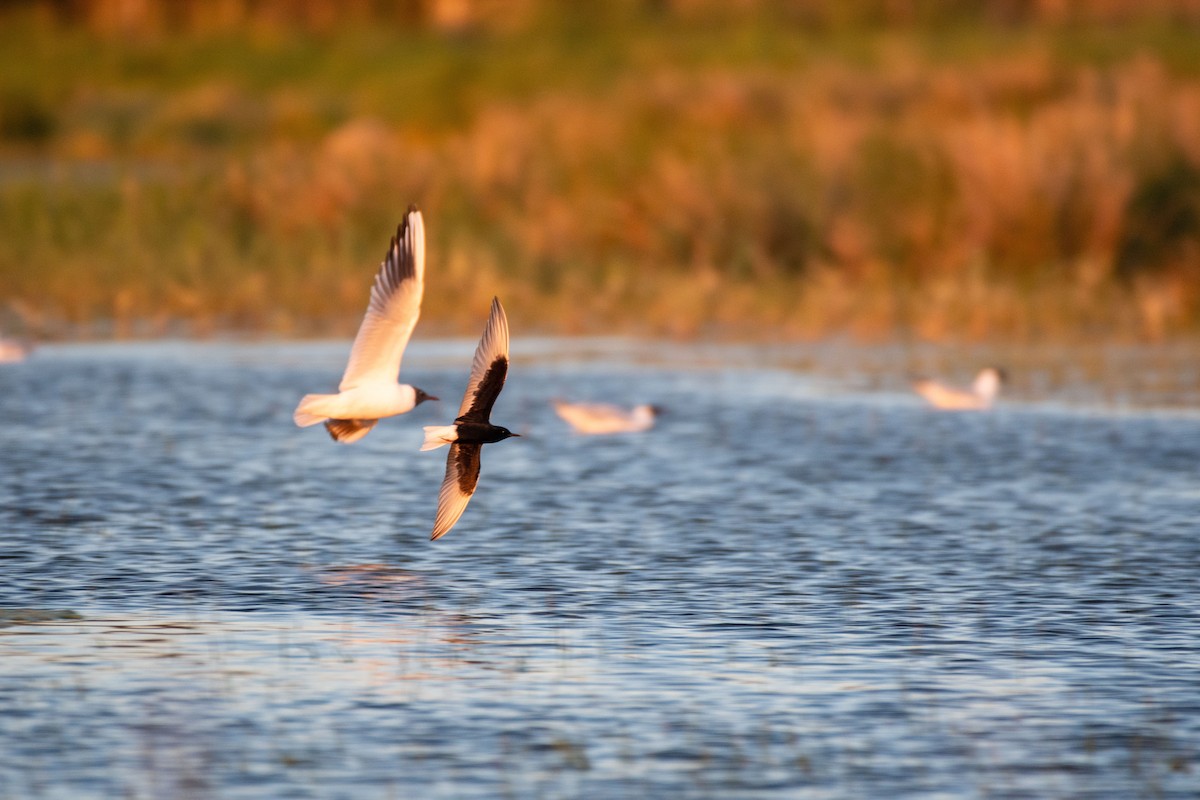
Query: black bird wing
(394, 308)
(489, 368)
(462, 475)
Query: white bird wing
(462, 475)
(489, 368)
(394, 308)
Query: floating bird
(369, 389)
(13, 351)
(979, 397)
(605, 418)
(472, 430)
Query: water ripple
(780, 591)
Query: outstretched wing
(489, 368)
(462, 474)
(394, 308)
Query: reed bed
(672, 169)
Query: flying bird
(472, 430)
(370, 390)
(978, 397)
(595, 418)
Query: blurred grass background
(998, 169)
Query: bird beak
(516, 435)
(431, 397)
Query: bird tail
(439, 435)
(349, 430)
(313, 408)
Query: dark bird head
(422, 396)
(504, 433)
(657, 410)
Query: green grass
(766, 173)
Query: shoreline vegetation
(992, 171)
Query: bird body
(369, 390)
(980, 396)
(600, 418)
(366, 401)
(13, 351)
(464, 432)
(473, 428)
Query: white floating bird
(13, 351)
(595, 418)
(369, 390)
(472, 430)
(978, 397)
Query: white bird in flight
(978, 397)
(472, 429)
(370, 390)
(597, 418)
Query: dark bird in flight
(472, 430)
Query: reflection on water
(785, 589)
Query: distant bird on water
(369, 390)
(595, 418)
(13, 351)
(978, 397)
(472, 430)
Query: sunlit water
(789, 588)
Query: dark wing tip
(402, 228)
(399, 258)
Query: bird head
(422, 396)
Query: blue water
(791, 587)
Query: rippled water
(789, 588)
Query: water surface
(791, 587)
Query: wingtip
(402, 228)
(498, 311)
